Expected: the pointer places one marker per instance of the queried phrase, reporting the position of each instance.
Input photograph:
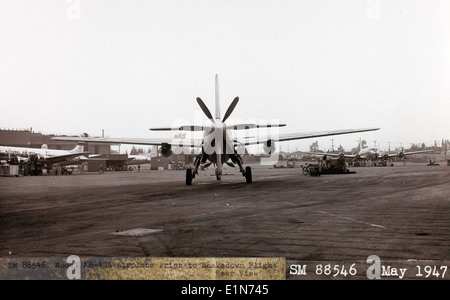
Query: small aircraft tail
(78, 149)
(360, 144)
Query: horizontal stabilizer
(183, 128)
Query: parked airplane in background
(218, 146)
(371, 154)
(138, 159)
(43, 154)
(401, 154)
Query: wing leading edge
(135, 141)
(306, 135)
(197, 142)
(60, 158)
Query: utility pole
(359, 144)
(444, 146)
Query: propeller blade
(230, 109)
(205, 109)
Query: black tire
(248, 175)
(189, 177)
(305, 171)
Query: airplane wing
(417, 152)
(198, 142)
(404, 154)
(61, 158)
(307, 135)
(208, 128)
(136, 141)
(330, 154)
(252, 126)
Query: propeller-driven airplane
(400, 154)
(371, 153)
(218, 145)
(43, 154)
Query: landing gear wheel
(189, 177)
(248, 175)
(305, 171)
(218, 175)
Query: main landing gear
(189, 177)
(190, 173)
(248, 175)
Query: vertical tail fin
(217, 98)
(78, 149)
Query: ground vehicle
(313, 169)
(326, 166)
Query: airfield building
(27, 138)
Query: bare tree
(314, 147)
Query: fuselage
(218, 145)
(25, 152)
(368, 153)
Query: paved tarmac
(399, 213)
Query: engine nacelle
(35, 158)
(269, 146)
(166, 150)
(13, 160)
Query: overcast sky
(125, 66)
